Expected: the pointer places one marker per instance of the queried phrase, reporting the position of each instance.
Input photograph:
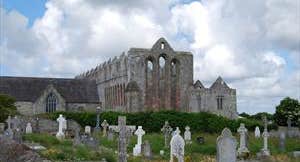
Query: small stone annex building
(152, 79)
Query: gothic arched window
(51, 103)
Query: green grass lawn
(64, 150)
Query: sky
(253, 45)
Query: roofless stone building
(154, 79)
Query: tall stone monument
(242, 150)
(265, 151)
(104, 125)
(166, 129)
(177, 147)
(61, 125)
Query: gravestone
(110, 134)
(265, 151)
(146, 149)
(2, 128)
(17, 135)
(61, 126)
(87, 130)
(138, 147)
(200, 140)
(257, 132)
(90, 141)
(243, 150)
(289, 127)
(166, 129)
(37, 125)
(122, 145)
(77, 140)
(97, 128)
(282, 141)
(16, 123)
(226, 147)
(104, 125)
(28, 128)
(187, 135)
(177, 147)
(9, 132)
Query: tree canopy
(288, 108)
(7, 107)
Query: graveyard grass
(64, 150)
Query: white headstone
(87, 129)
(137, 148)
(28, 128)
(226, 147)
(61, 125)
(257, 132)
(187, 135)
(177, 147)
(243, 133)
(265, 151)
(104, 125)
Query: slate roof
(30, 89)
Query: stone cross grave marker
(282, 141)
(28, 128)
(122, 145)
(257, 132)
(226, 145)
(265, 151)
(104, 125)
(242, 130)
(138, 147)
(61, 125)
(187, 135)
(177, 147)
(265, 121)
(166, 129)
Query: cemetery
(154, 136)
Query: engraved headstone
(242, 150)
(61, 125)
(166, 129)
(187, 135)
(28, 128)
(104, 125)
(257, 132)
(282, 141)
(138, 147)
(146, 149)
(177, 147)
(110, 134)
(122, 145)
(87, 130)
(226, 147)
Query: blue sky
(254, 45)
(32, 9)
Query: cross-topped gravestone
(226, 145)
(187, 135)
(98, 111)
(265, 121)
(137, 148)
(265, 151)
(242, 150)
(104, 125)
(61, 125)
(166, 129)
(177, 147)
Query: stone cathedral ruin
(158, 78)
(154, 79)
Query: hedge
(153, 121)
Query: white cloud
(238, 40)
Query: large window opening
(51, 103)
(220, 102)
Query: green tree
(7, 107)
(288, 108)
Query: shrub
(153, 121)
(7, 107)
